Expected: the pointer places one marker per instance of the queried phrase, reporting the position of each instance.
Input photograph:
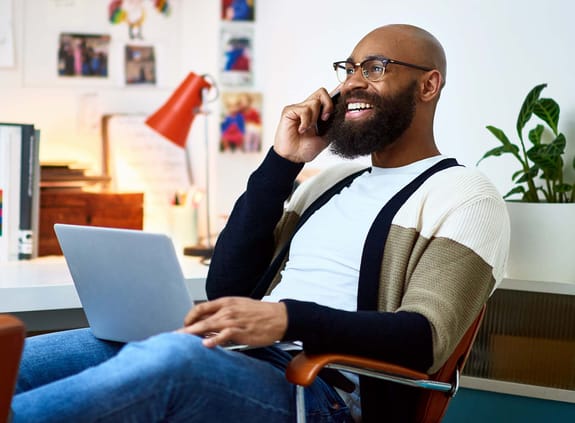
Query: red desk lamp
(173, 120)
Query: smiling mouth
(357, 107)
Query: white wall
(497, 51)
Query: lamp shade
(174, 119)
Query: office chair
(12, 334)
(439, 388)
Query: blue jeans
(74, 377)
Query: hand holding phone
(323, 125)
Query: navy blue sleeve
(402, 338)
(245, 246)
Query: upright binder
(19, 182)
(10, 158)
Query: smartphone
(323, 125)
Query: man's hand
(296, 138)
(241, 320)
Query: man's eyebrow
(370, 57)
(377, 56)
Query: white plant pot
(542, 237)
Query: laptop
(129, 282)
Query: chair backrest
(12, 334)
(432, 405)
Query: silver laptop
(130, 282)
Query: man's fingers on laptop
(242, 320)
(217, 338)
(202, 311)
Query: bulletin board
(46, 20)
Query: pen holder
(183, 226)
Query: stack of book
(19, 191)
(69, 175)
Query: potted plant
(539, 216)
(541, 166)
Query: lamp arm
(207, 154)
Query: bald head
(400, 101)
(410, 44)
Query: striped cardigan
(444, 254)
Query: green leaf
(525, 176)
(535, 134)
(516, 190)
(507, 147)
(557, 146)
(548, 156)
(562, 188)
(553, 173)
(527, 107)
(498, 151)
(499, 134)
(547, 110)
(517, 174)
(542, 158)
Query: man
(392, 262)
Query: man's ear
(431, 85)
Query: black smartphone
(323, 125)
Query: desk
(42, 294)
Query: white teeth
(358, 106)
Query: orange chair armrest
(12, 334)
(304, 368)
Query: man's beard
(392, 115)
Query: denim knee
(49, 357)
(173, 348)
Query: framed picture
(237, 55)
(83, 55)
(140, 65)
(241, 123)
(238, 10)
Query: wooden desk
(42, 294)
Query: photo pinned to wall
(140, 65)
(241, 122)
(83, 55)
(237, 58)
(238, 10)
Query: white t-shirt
(325, 254)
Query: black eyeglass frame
(384, 60)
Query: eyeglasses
(372, 68)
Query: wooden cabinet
(117, 210)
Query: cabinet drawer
(115, 210)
